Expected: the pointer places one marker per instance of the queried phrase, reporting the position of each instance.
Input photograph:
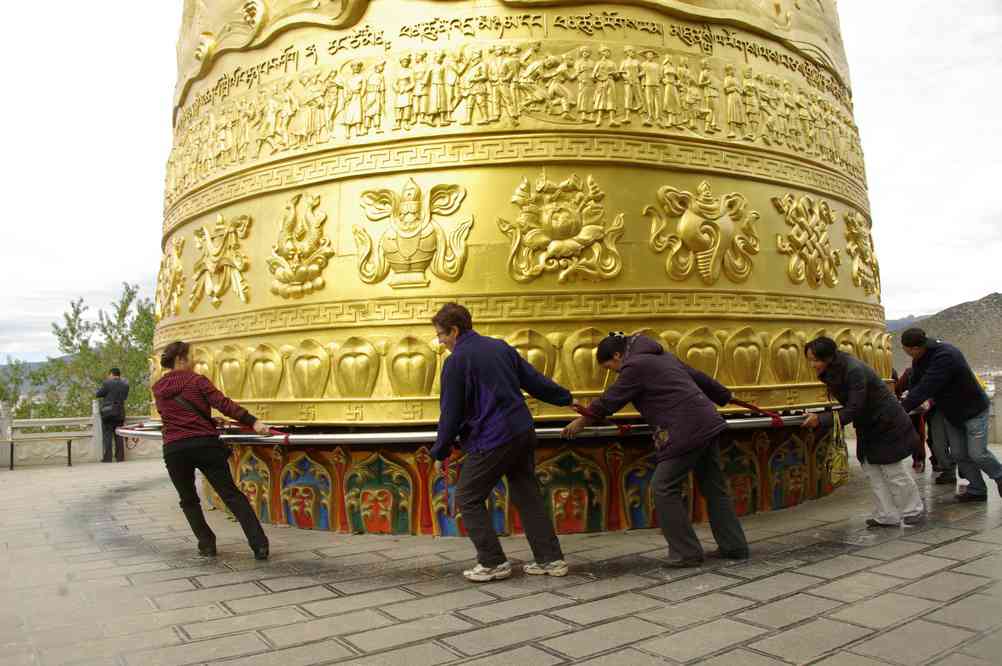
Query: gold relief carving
(302, 252)
(859, 247)
(307, 412)
(266, 367)
(221, 264)
(354, 411)
(413, 411)
(309, 369)
(786, 352)
(202, 363)
(812, 258)
(580, 362)
(744, 353)
(356, 368)
(711, 235)
(867, 352)
(562, 228)
(846, 341)
(414, 239)
(701, 349)
(535, 348)
(411, 365)
(170, 281)
(231, 364)
(671, 339)
(472, 26)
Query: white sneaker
(556, 568)
(482, 574)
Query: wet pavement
(97, 566)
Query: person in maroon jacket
(678, 403)
(184, 400)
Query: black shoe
(873, 522)
(683, 563)
(730, 554)
(946, 478)
(968, 497)
(104, 461)
(914, 520)
(208, 550)
(260, 552)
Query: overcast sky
(88, 133)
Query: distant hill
(895, 325)
(974, 327)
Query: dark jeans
(673, 512)
(212, 461)
(108, 436)
(481, 472)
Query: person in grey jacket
(885, 436)
(114, 392)
(677, 401)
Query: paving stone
(936, 535)
(990, 567)
(357, 602)
(836, 567)
(604, 637)
(885, 610)
(303, 655)
(965, 549)
(274, 600)
(412, 610)
(977, 612)
(848, 659)
(789, 611)
(856, 587)
(913, 566)
(369, 583)
(698, 609)
(171, 574)
(608, 608)
(892, 550)
(758, 568)
(913, 643)
(944, 586)
(691, 587)
(702, 640)
(135, 624)
(239, 623)
(428, 654)
(510, 633)
(505, 610)
(522, 585)
(201, 597)
(106, 648)
(408, 632)
(810, 641)
(627, 657)
(337, 625)
(779, 585)
(958, 659)
(991, 536)
(523, 655)
(606, 586)
(193, 653)
(740, 657)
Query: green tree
(15, 386)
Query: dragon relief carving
(859, 247)
(812, 258)
(302, 252)
(221, 264)
(562, 228)
(170, 281)
(712, 234)
(415, 240)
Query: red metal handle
(777, 420)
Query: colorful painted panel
(306, 493)
(788, 473)
(740, 468)
(254, 479)
(379, 496)
(452, 525)
(637, 478)
(574, 489)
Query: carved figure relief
(221, 264)
(170, 281)
(812, 258)
(562, 228)
(414, 240)
(859, 247)
(301, 253)
(712, 234)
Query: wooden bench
(17, 437)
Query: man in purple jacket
(678, 403)
(482, 405)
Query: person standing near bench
(184, 401)
(113, 393)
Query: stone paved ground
(96, 567)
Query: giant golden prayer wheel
(688, 169)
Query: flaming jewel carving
(222, 264)
(170, 281)
(711, 234)
(415, 240)
(859, 246)
(562, 228)
(812, 258)
(301, 254)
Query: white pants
(895, 491)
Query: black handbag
(112, 411)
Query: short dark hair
(453, 314)
(115, 372)
(172, 353)
(823, 348)
(914, 337)
(612, 344)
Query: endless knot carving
(222, 264)
(562, 228)
(859, 246)
(170, 281)
(811, 255)
(301, 254)
(711, 234)
(415, 240)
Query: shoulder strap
(187, 404)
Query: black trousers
(108, 436)
(211, 460)
(673, 511)
(481, 472)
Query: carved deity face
(410, 207)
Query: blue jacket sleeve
(540, 386)
(936, 376)
(103, 391)
(713, 389)
(452, 404)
